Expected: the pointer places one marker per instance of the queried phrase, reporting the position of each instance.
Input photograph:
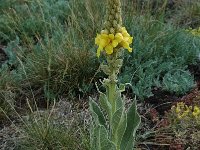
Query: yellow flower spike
(126, 39)
(130, 49)
(99, 51)
(119, 37)
(109, 49)
(111, 36)
(112, 43)
(123, 29)
(104, 35)
(108, 42)
(115, 43)
(103, 42)
(125, 34)
(97, 39)
(126, 45)
(130, 40)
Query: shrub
(160, 51)
(184, 122)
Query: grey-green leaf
(97, 113)
(105, 104)
(118, 126)
(122, 87)
(119, 101)
(101, 140)
(133, 121)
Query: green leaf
(118, 126)
(97, 113)
(133, 121)
(105, 104)
(122, 87)
(100, 139)
(118, 63)
(105, 69)
(92, 140)
(119, 101)
(116, 119)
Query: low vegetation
(47, 54)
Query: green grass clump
(47, 130)
(58, 67)
(7, 91)
(53, 53)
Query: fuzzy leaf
(101, 141)
(105, 104)
(122, 87)
(119, 63)
(97, 113)
(119, 101)
(118, 125)
(133, 121)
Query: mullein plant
(113, 126)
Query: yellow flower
(195, 32)
(102, 40)
(127, 40)
(178, 110)
(182, 110)
(180, 106)
(196, 111)
(108, 42)
(119, 37)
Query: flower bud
(112, 30)
(111, 17)
(112, 12)
(115, 24)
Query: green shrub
(179, 82)
(160, 51)
(184, 123)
